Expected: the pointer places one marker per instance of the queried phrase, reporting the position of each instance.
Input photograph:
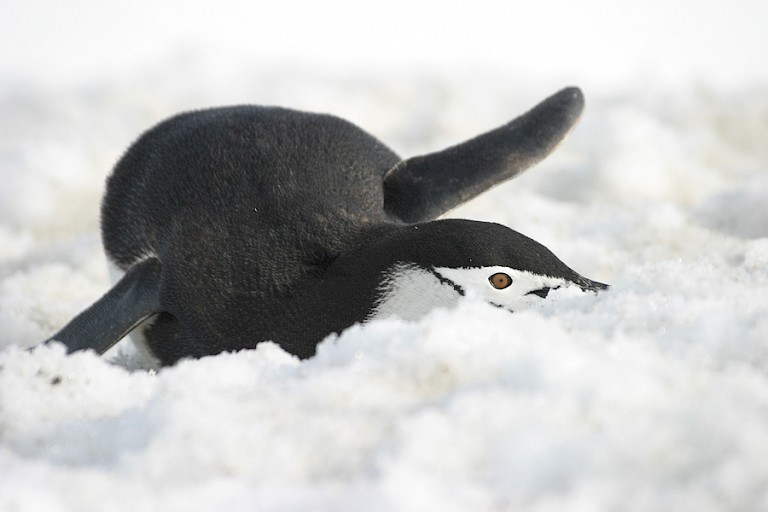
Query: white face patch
(517, 295)
(410, 292)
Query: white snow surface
(652, 396)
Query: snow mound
(650, 396)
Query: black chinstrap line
(445, 280)
(501, 306)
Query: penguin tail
(130, 301)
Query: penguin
(234, 225)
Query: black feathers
(425, 187)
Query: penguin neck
(409, 291)
(373, 280)
(314, 309)
(333, 298)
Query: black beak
(541, 292)
(590, 286)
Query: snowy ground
(652, 396)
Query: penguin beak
(590, 286)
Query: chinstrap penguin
(235, 225)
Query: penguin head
(434, 264)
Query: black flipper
(424, 187)
(134, 298)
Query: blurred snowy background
(653, 396)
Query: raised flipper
(134, 298)
(424, 187)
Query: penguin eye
(500, 280)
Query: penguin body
(242, 224)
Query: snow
(650, 396)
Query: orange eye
(500, 280)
